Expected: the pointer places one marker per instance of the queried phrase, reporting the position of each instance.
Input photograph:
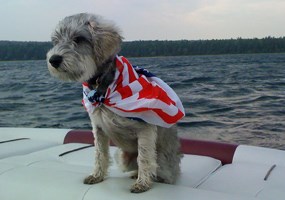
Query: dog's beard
(74, 67)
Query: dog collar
(95, 79)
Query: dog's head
(82, 43)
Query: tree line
(11, 50)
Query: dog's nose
(55, 60)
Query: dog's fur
(84, 49)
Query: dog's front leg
(147, 164)
(101, 143)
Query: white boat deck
(39, 166)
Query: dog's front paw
(89, 180)
(139, 188)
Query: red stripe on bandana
(125, 92)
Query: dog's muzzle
(55, 60)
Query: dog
(85, 48)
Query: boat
(50, 164)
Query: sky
(34, 20)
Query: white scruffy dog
(85, 49)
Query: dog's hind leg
(168, 155)
(146, 159)
(101, 157)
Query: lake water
(232, 98)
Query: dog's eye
(55, 38)
(54, 41)
(79, 39)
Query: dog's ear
(106, 40)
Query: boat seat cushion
(22, 146)
(255, 172)
(259, 155)
(45, 134)
(194, 169)
(60, 177)
(36, 183)
(20, 141)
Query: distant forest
(11, 50)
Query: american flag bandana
(137, 94)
